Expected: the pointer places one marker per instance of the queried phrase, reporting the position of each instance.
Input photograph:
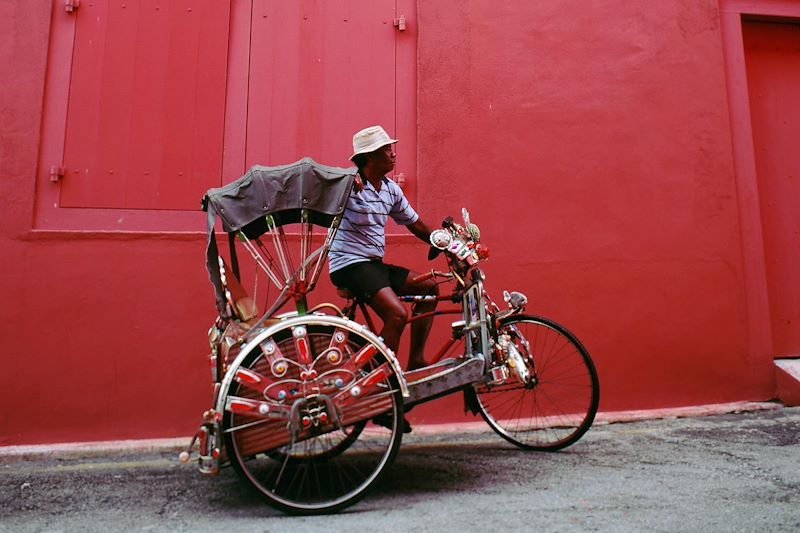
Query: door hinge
(71, 5)
(56, 173)
(400, 23)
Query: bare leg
(420, 329)
(392, 313)
(394, 316)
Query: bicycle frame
(356, 303)
(475, 329)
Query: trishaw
(308, 405)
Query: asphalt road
(738, 472)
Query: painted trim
(760, 345)
(769, 8)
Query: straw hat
(370, 139)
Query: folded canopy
(282, 192)
(301, 191)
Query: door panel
(147, 96)
(772, 55)
(319, 72)
(146, 103)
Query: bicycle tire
(559, 404)
(326, 468)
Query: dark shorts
(368, 277)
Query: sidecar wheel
(323, 465)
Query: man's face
(383, 159)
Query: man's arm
(421, 230)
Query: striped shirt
(361, 235)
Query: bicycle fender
(309, 320)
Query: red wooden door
(319, 72)
(146, 103)
(772, 55)
(150, 117)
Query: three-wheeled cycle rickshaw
(308, 405)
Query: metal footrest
(454, 374)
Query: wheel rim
(328, 466)
(557, 408)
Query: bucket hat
(370, 139)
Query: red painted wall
(594, 140)
(591, 143)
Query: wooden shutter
(146, 103)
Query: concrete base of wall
(787, 378)
(84, 450)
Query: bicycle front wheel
(557, 403)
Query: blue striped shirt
(361, 235)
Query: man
(356, 255)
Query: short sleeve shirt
(362, 235)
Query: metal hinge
(56, 173)
(400, 23)
(71, 5)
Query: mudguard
(307, 320)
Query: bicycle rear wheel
(557, 402)
(312, 449)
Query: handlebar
(425, 276)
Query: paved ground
(736, 472)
